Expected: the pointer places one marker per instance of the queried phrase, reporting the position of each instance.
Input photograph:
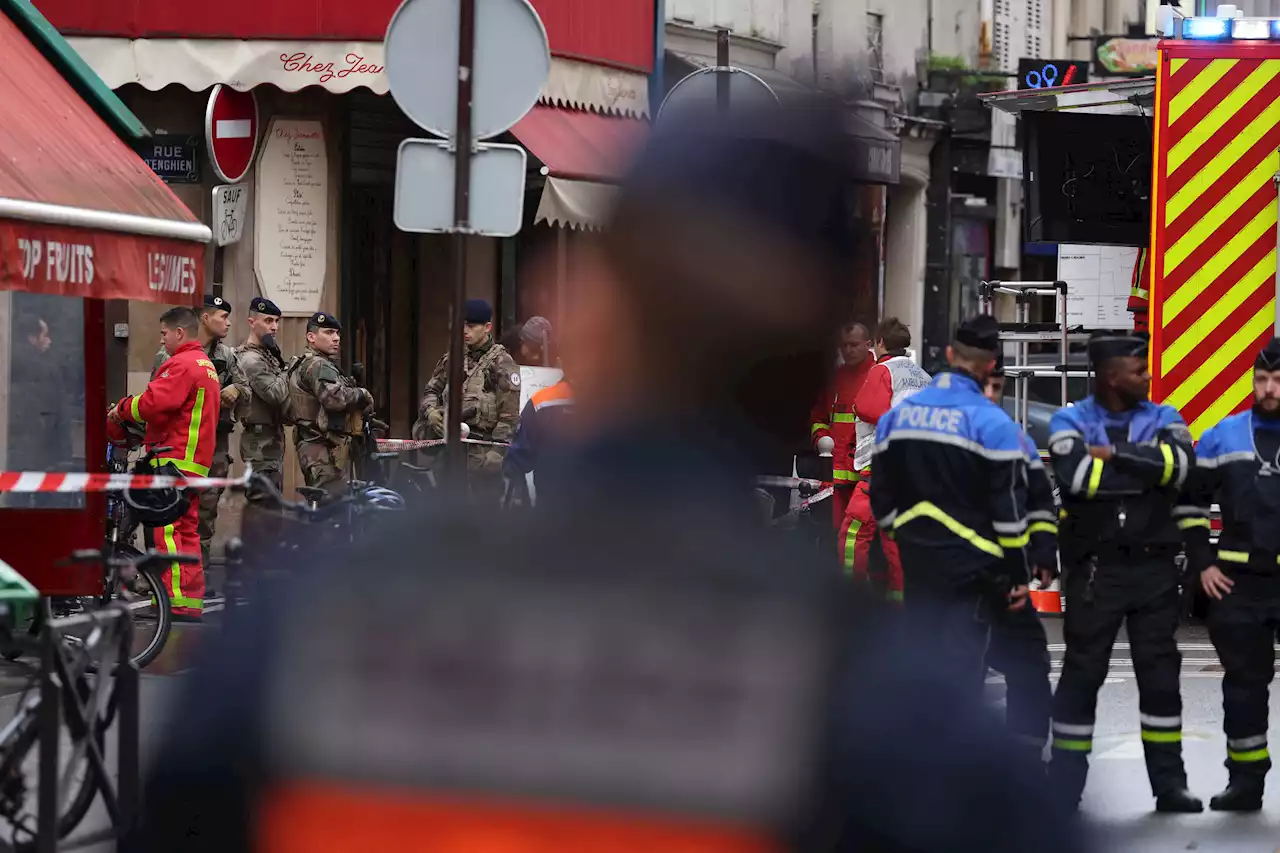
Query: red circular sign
(231, 132)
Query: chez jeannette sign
(325, 68)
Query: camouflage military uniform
(264, 395)
(225, 358)
(325, 407)
(491, 385)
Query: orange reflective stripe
(558, 392)
(316, 817)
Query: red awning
(80, 213)
(581, 145)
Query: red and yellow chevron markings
(1219, 123)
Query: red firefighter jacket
(180, 410)
(833, 416)
(1139, 296)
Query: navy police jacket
(1131, 500)
(1230, 470)
(950, 481)
(1042, 509)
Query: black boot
(1179, 800)
(1239, 796)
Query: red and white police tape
(404, 445)
(35, 481)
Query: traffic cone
(1048, 600)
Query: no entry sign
(231, 129)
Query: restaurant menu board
(292, 215)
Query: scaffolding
(1022, 333)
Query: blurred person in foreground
(639, 667)
(951, 483)
(1019, 648)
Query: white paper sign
(1098, 281)
(534, 379)
(292, 221)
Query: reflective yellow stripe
(845, 476)
(133, 409)
(817, 428)
(175, 569)
(1167, 452)
(850, 541)
(1043, 527)
(1014, 541)
(193, 429)
(1249, 755)
(893, 595)
(1236, 556)
(1139, 292)
(183, 466)
(843, 418)
(1069, 745)
(1188, 523)
(925, 509)
(188, 603)
(1095, 477)
(1162, 737)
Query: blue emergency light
(1226, 25)
(1206, 29)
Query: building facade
(319, 233)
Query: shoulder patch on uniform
(1062, 446)
(515, 379)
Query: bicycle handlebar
(89, 555)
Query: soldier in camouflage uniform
(490, 399)
(215, 323)
(264, 395)
(325, 407)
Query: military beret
(261, 305)
(536, 331)
(477, 311)
(216, 302)
(1104, 346)
(1269, 357)
(981, 332)
(321, 320)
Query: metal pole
(722, 76)
(457, 463)
(48, 718)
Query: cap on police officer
(1269, 358)
(216, 303)
(477, 311)
(1104, 346)
(261, 305)
(321, 320)
(980, 332)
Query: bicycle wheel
(20, 775)
(148, 602)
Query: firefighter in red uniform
(833, 417)
(180, 411)
(893, 377)
(1139, 295)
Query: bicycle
(342, 515)
(71, 689)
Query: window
(875, 45)
(41, 391)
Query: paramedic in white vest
(894, 377)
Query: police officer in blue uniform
(1238, 464)
(951, 483)
(1122, 464)
(1019, 648)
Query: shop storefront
(82, 221)
(320, 83)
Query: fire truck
(1210, 275)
